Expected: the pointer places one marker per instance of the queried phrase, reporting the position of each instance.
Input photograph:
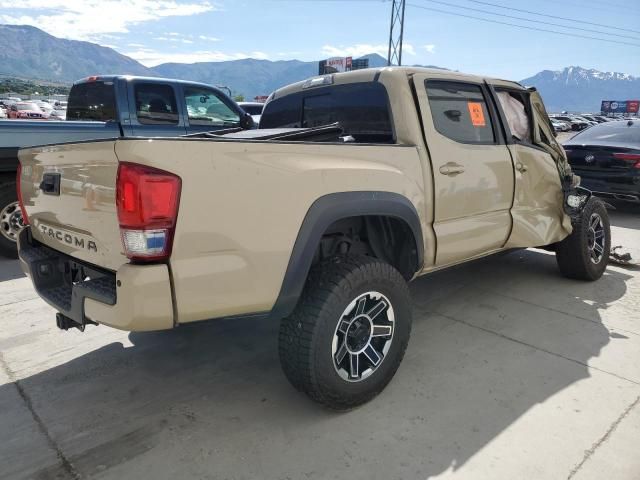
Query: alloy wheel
(11, 221)
(596, 238)
(363, 336)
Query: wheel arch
(326, 211)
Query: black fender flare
(327, 210)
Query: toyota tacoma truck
(355, 184)
(110, 106)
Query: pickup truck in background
(355, 184)
(111, 106)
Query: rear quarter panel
(242, 205)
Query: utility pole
(395, 33)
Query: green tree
(239, 98)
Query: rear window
(92, 101)
(361, 109)
(616, 132)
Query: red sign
(342, 64)
(633, 106)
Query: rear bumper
(134, 298)
(619, 191)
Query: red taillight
(25, 218)
(629, 157)
(147, 200)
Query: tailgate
(69, 195)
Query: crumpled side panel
(538, 215)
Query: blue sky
(156, 31)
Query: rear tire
(347, 336)
(10, 219)
(584, 254)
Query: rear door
(155, 110)
(472, 168)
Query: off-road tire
(307, 335)
(8, 196)
(573, 253)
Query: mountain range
(28, 52)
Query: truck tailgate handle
(50, 184)
(451, 169)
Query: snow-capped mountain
(580, 89)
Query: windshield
(610, 132)
(28, 106)
(92, 101)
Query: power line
(523, 26)
(551, 16)
(530, 20)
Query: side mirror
(246, 122)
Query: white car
(559, 126)
(254, 109)
(58, 114)
(3, 112)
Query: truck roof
(372, 74)
(108, 78)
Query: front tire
(584, 254)
(347, 336)
(10, 219)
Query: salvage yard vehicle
(355, 184)
(27, 110)
(607, 158)
(110, 106)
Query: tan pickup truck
(354, 184)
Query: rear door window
(156, 104)
(361, 109)
(459, 111)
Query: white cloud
(431, 48)
(361, 49)
(208, 39)
(173, 39)
(91, 19)
(259, 55)
(408, 48)
(151, 58)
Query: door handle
(521, 167)
(451, 169)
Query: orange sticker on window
(477, 114)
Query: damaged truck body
(354, 184)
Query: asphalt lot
(512, 373)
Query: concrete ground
(512, 372)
